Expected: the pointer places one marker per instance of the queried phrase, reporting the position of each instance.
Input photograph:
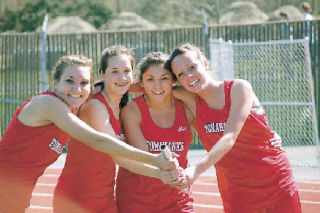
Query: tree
(32, 14)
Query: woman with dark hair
(87, 181)
(149, 121)
(40, 128)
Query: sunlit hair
(65, 62)
(151, 59)
(184, 48)
(104, 61)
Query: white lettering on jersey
(154, 146)
(182, 129)
(214, 127)
(56, 146)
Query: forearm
(106, 143)
(118, 148)
(221, 148)
(138, 167)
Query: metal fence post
(308, 64)
(43, 56)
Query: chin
(123, 92)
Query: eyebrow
(116, 68)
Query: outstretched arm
(96, 115)
(242, 98)
(131, 120)
(46, 109)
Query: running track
(205, 192)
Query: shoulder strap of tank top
(143, 107)
(181, 115)
(102, 99)
(29, 99)
(227, 89)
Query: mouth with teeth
(121, 84)
(75, 96)
(158, 93)
(194, 82)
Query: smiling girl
(87, 181)
(40, 128)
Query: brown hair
(70, 60)
(152, 59)
(106, 55)
(182, 50)
(115, 51)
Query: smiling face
(118, 74)
(73, 86)
(190, 71)
(157, 83)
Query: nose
(189, 72)
(122, 76)
(76, 87)
(157, 84)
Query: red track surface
(205, 192)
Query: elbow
(230, 141)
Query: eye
(191, 68)
(165, 78)
(69, 81)
(127, 71)
(114, 71)
(84, 83)
(180, 74)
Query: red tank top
(253, 175)
(88, 177)
(25, 152)
(137, 193)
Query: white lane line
(50, 175)
(309, 190)
(208, 206)
(40, 207)
(46, 184)
(36, 194)
(206, 193)
(308, 181)
(205, 183)
(310, 202)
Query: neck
(113, 100)
(211, 90)
(166, 103)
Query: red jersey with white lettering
(87, 181)
(137, 193)
(25, 152)
(253, 175)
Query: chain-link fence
(280, 74)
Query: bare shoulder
(180, 93)
(131, 111)
(187, 97)
(41, 109)
(93, 108)
(92, 105)
(43, 104)
(241, 85)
